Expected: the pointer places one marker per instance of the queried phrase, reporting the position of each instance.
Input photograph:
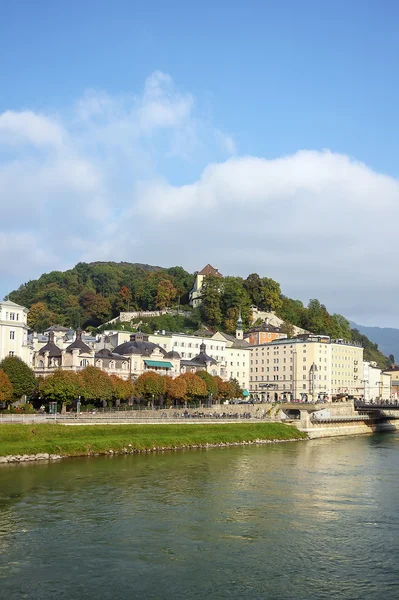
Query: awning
(159, 363)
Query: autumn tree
(6, 394)
(20, 375)
(175, 389)
(61, 386)
(40, 317)
(123, 299)
(166, 293)
(96, 384)
(122, 389)
(150, 384)
(196, 387)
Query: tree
(175, 389)
(150, 384)
(96, 384)
(211, 310)
(166, 293)
(62, 386)
(253, 285)
(122, 389)
(21, 376)
(392, 358)
(288, 329)
(271, 295)
(210, 382)
(6, 394)
(226, 390)
(40, 317)
(236, 388)
(196, 387)
(123, 299)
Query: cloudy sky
(256, 137)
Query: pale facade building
(196, 293)
(14, 331)
(308, 368)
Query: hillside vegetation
(91, 294)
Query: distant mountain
(387, 338)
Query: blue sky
(173, 132)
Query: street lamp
(153, 396)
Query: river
(306, 520)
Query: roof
(172, 354)
(57, 328)
(202, 358)
(204, 332)
(52, 349)
(236, 343)
(79, 344)
(12, 304)
(159, 363)
(264, 327)
(136, 347)
(106, 353)
(209, 270)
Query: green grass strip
(86, 439)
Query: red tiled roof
(209, 270)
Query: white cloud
(30, 128)
(96, 183)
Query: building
(307, 368)
(264, 333)
(14, 331)
(196, 293)
(76, 356)
(393, 372)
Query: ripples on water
(314, 520)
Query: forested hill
(92, 293)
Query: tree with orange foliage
(5, 388)
(175, 389)
(150, 384)
(122, 389)
(196, 387)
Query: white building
(14, 331)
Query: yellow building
(308, 368)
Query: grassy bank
(77, 441)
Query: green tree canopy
(21, 376)
(61, 386)
(96, 384)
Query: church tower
(239, 330)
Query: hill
(92, 293)
(387, 338)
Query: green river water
(305, 520)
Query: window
(12, 316)
(99, 364)
(84, 362)
(303, 376)
(12, 335)
(11, 353)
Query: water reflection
(305, 520)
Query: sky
(255, 135)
